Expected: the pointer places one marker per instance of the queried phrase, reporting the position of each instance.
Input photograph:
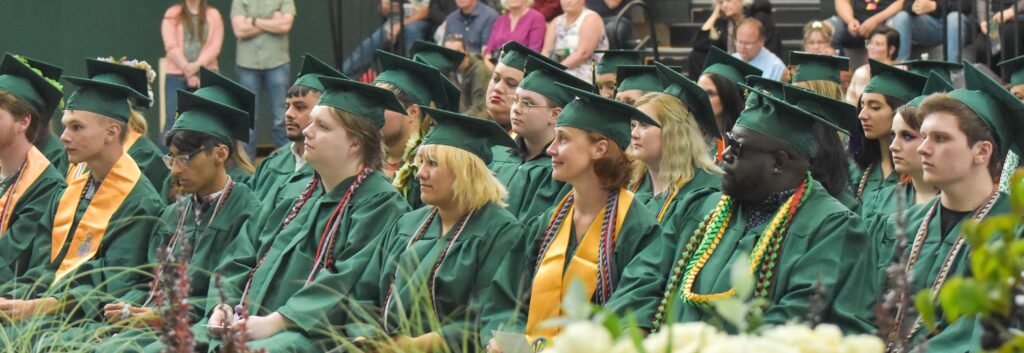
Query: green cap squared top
(762, 85)
(693, 97)
(311, 69)
(999, 109)
(366, 101)
(815, 67)
(934, 84)
(782, 121)
(220, 107)
(611, 118)
(443, 59)
(732, 68)
(514, 55)
(894, 82)
(21, 81)
(839, 114)
(1016, 68)
(923, 67)
(634, 77)
(612, 59)
(420, 81)
(107, 90)
(473, 135)
(541, 78)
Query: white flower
(803, 339)
(746, 344)
(582, 337)
(624, 345)
(861, 344)
(685, 338)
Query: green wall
(65, 32)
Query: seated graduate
(672, 166)
(966, 134)
(27, 179)
(605, 73)
(280, 282)
(201, 143)
(506, 77)
(634, 81)
(793, 231)
(286, 164)
(430, 276)
(590, 235)
(47, 142)
(526, 170)
(906, 138)
(101, 224)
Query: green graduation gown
(148, 156)
(509, 307)
(23, 242)
(877, 197)
(820, 233)
(691, 195)
(273, 171)
(280, 282)
(531, 189)
(49, 143)
(236, 173)
(964, 334)
(461, 283)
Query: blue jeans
(927, 31)
(841, 37)
(274, 82)
(362, 58)
(172, 84)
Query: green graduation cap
(923, 67)
(612, 59)
(934, 84)
(1000, 110)
(894, 82)
(514, 55)
(108, 89)
(638, 77)
(762, 85)
(732, 68)
(593, 112)
(443, 59)
(420, 81)
(773, 117)
(366, 101)
(1016, 68)
(220, 107)
(23, 82)
(541, 78)
(473, 135)
(311, 69)
(840, 114)
(814, 67)
(690, 93)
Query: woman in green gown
(281, 283)
(590, 235)
(430, 275)
(871, 172)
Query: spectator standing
(193, 34)
(520, 23)
(473, 22)
(573, 38)
(855, 20)
(750, 48)
(882, 46)
(262, 64)
(415, 26)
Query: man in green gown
(634, 81)
(526, 171)
(28, 181)
(766, 180)
(101, 223)
(967, 132)
(606, 71)
(47, 142)
(283, 274)
(287, 161)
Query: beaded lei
(701, 246)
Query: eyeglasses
(735, 148)
(527, 105)
(184, 159)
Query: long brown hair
(184, 17)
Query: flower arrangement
(139, 64)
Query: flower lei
(701, 246)
(138, 64)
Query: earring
(776, 170)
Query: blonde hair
(822, 27)
(366, 133)
(529, 4)
(474, 185)
(823, 87)
(682, 144)
(241, 159)
(137, 122)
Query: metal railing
(652, 35)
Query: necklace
(864, 181)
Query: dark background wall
(65, 32)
